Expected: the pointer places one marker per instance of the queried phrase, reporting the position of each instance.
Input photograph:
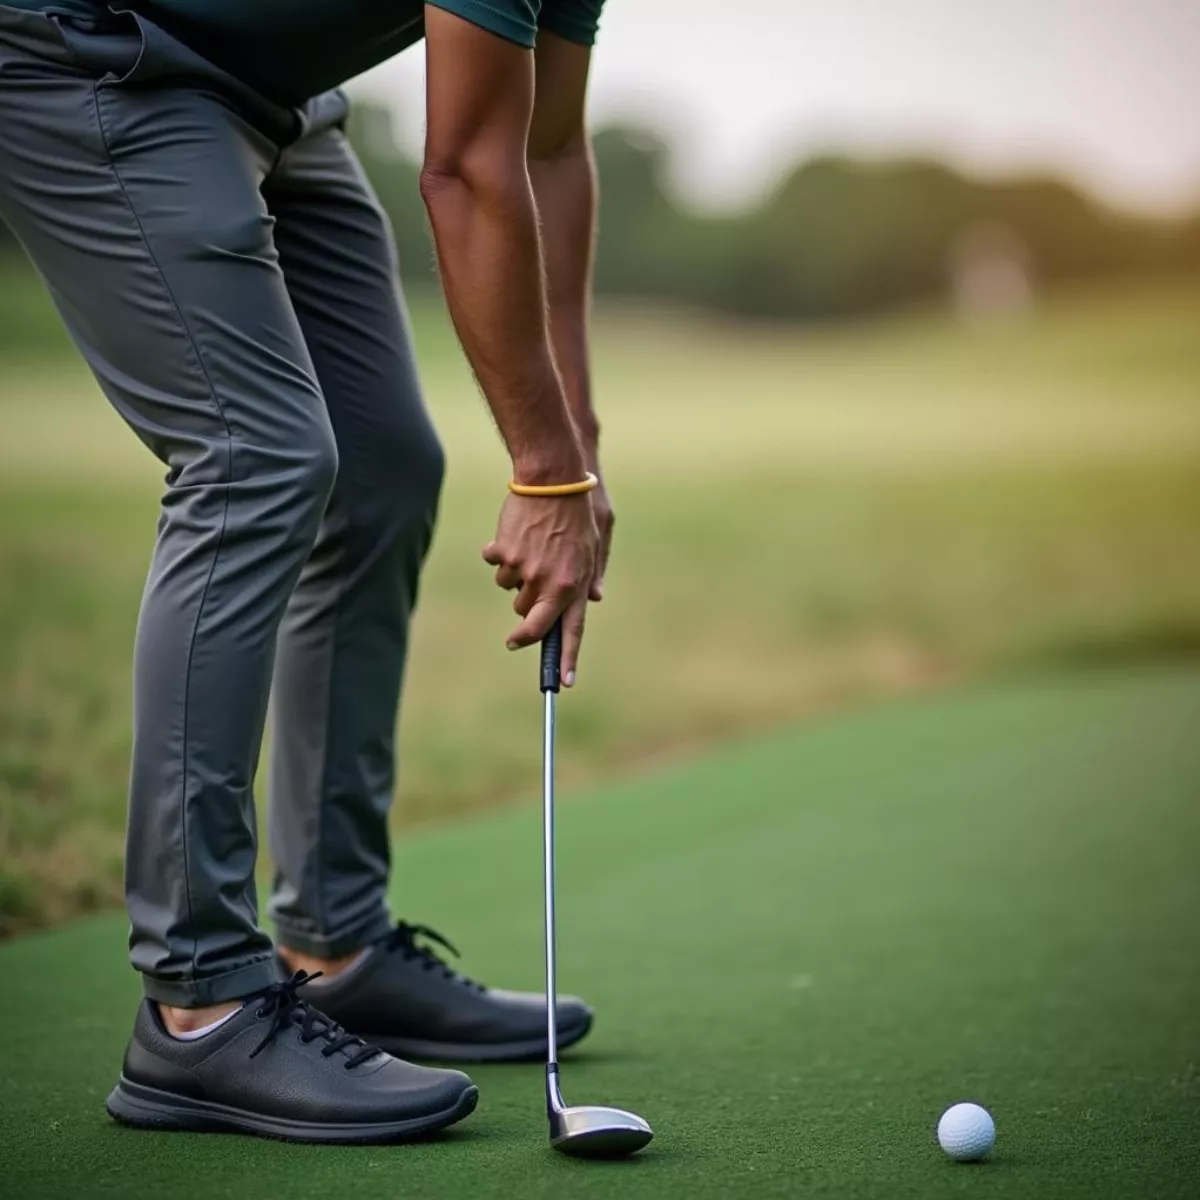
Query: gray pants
(226, 271)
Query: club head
(592, 1131)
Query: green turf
(801, 950)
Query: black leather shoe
(281, 1069)
(404, 998)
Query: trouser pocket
(28, 40)
(123, 49)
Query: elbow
(486, 179)
(440, 187)
(436, 180)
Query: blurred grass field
(805, 519)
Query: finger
(492, 555)
(573, 622)
(507, 577)
(544, 612)
(525, 599)
(596, 588)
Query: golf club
(586, 1131)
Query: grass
(802, 949)
(805, 520)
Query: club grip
(552, 658)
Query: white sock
(193, 1034)
(353, 965)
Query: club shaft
(548, 877)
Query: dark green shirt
(294, 49)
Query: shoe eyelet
(260, 1014)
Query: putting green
(802, 949)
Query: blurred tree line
(840, 236)
(837, 237)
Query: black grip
(552, 658)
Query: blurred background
(897, 350)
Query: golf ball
(966, 1132)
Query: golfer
(178, 172)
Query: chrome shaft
(548, 880)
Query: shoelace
(403, 939)
(285, 1008)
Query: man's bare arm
(564, 184)
(476, 187)
(477, 191)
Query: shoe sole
(148, 1108)
(525, 1050)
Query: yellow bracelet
(554, 489)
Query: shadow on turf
(150, 1142)
(581, 1058)
(434, 1137)
(994, 1162)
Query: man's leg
(343, 642)
(341, 652)
(140, 207)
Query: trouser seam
(323, 784)
(212, 390)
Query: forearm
(489, 253)
(564, 185)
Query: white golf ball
(966, 1132)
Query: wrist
(545, 466)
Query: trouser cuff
(333, 945)
(237, 984)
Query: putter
(591, 1130)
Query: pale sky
(1106, 90)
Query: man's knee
(428, 466)
(312, 471)
(279, 493)
(420, 467)
(400, 489)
